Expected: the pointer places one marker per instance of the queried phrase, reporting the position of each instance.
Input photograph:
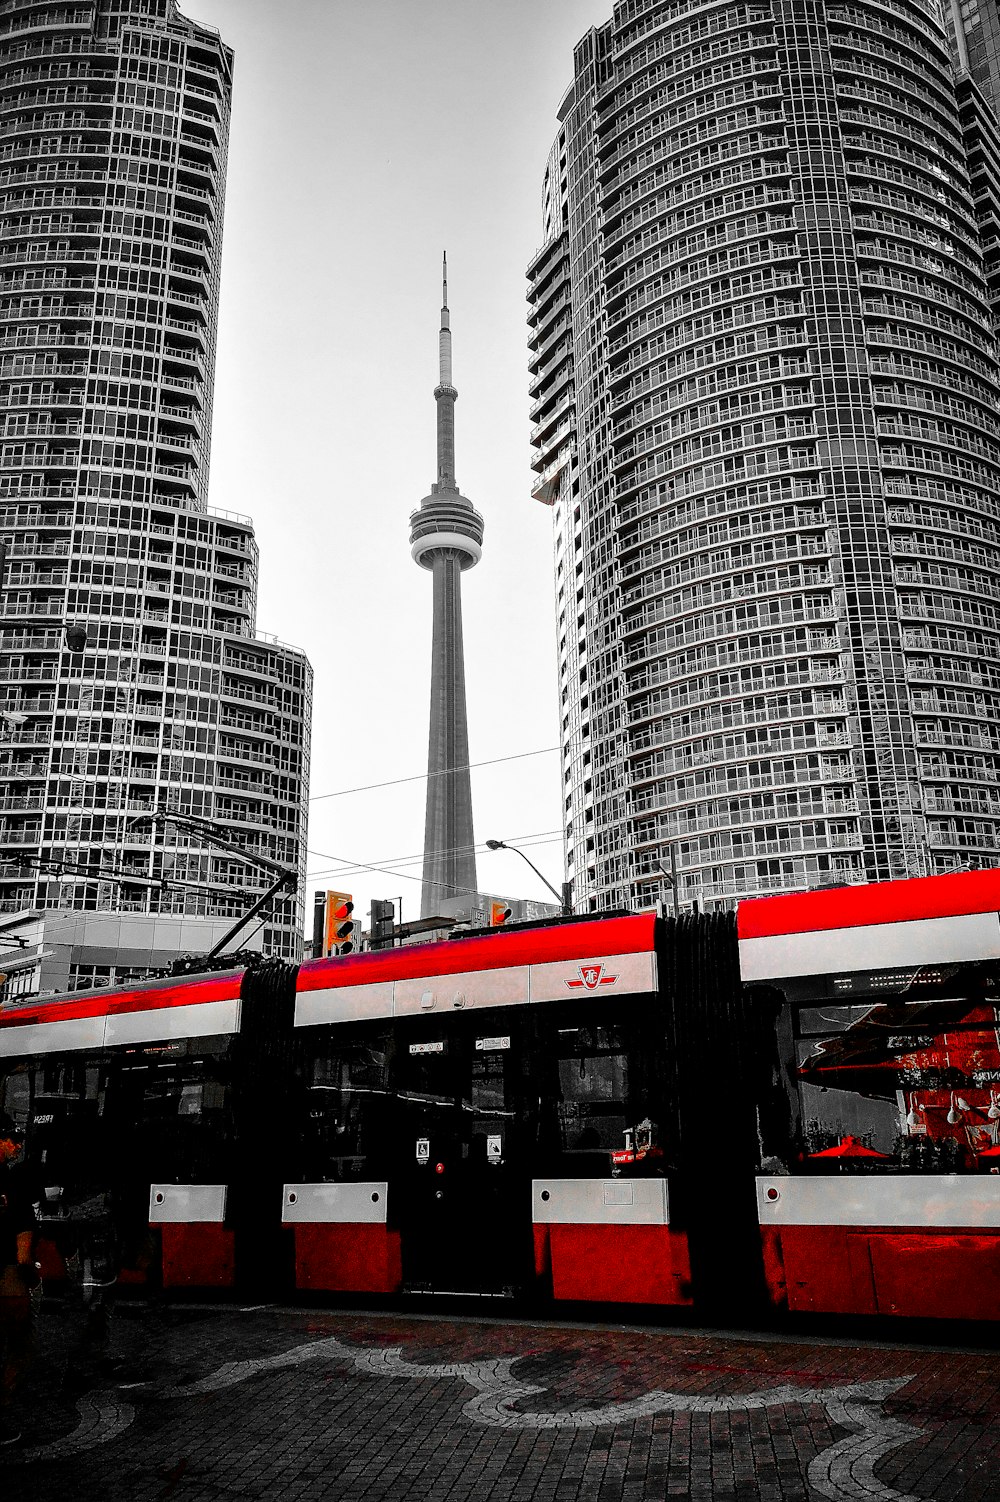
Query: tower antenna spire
(445, 394)
(444, 338)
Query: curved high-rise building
(765, 397)
(446, 536)
(114, 118)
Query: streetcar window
(15, 1096)
(488, 1086)
(608, 1097)
(593, 1089)
(61, 1104)
(345, 1126)
(894, 1082)
(177, 1094)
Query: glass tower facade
(765, 404)
(114, 118)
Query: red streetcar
(792, 1107)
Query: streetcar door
(464, 1206)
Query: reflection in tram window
(346, 1113)
(15, 1095)
(489, 1086)
(178, 1096)
(905, 1084)
(593, 1109)
(65, 1116)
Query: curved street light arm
(561, 897)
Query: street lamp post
(564, 898)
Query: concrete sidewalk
(197, 1403)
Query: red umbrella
(849, 1147)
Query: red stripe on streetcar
(498, 951)
(178, 993)
(946, 896)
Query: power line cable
(394, 867)
(471, 766)
(346, 873)
(538, 837)
(390, 871)
(404, 875)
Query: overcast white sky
(367, 136)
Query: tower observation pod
(446, 535)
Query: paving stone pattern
(211, 1403)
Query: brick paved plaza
(184, 1403)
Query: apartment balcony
(793, 844)
(965, 675)
(704, 691)
(982, 805)
(20, 836)
(784, 739)
(660, 576)
(678, 826)
(42, 608)
(19, 769)
(48, 20)
(967, 737)
(898, 335)
(734, 783)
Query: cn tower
(446, 534)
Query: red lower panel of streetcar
(197, 1248)
(347, 1258)
(609, 1241)
(197, 1256)
(920, 1246)
(342, 1242)
(614, 1264)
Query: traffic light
(383, 923)
(343, 928)
(499, 913)
(339, 933)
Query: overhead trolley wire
(471, 766)
(548, 837)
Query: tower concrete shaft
(446, 534)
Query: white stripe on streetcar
(875, 946)
(890, 1200)
(334, 1204)
(600, 1202)
(513, 985)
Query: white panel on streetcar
(600, 1202)
(205, 1019)
(344, 1004)
(187, 1204)
(928, 1200)
(603, 975)
(875, 946)
(67, 1035)
(334, 1204)
(467, 991)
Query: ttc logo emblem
(590, 977)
